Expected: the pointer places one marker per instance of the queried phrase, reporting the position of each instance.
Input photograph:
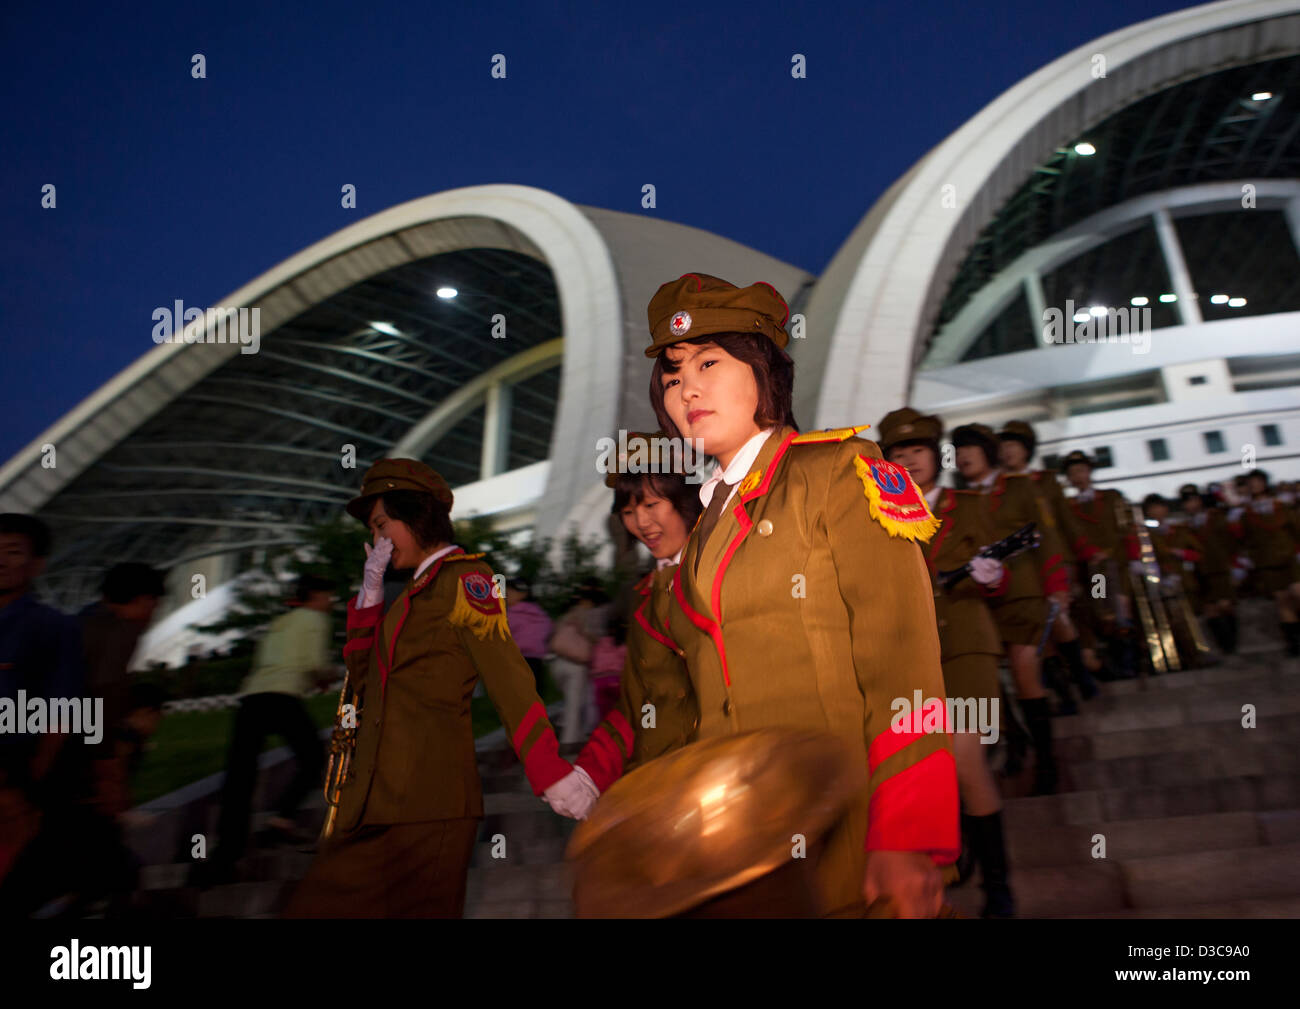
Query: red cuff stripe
(526, 724)
(601, 759)
(368, 617)
(916, 810)
(888, 743)
(544, 766)
(616, 719)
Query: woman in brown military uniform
(1270, 531)
(656, 710)
(408, 816)
(1021, 613)
(968, 638)
(1017, 443)
(802, 600)
(1206, 535)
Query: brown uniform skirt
(1021, 621)
(403, 870)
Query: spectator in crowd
(40, 654)
(529, 626)
(573, 641)
(293, 657)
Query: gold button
(681, 652)
(765, 527)
(695, 724)
(726, 706)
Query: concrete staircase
(1200, 816)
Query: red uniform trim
(386, 661)
(667, 642)
(358, 644)
(916, 810)
(947, 502)
(1084, 550)
(702, 622)
(1054, 577)
(619, 723)
(368, 617)
(766, 481)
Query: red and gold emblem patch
(894, 499)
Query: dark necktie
(711, 515)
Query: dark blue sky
(170, 187)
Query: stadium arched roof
(1169, 112)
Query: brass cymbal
(707, 818)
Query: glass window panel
(1214, 441)
(1159, 449)
(1241, 254)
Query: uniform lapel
(738, 519)
(400, 610)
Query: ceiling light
(387, 328)
(1236, 302)
(1139, 301)
(1085, 149)
(1261, 96)
(1081, 317)
(1167, 298)
(1097, 310)
(1218, 299)
(447, 292)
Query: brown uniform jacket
(812, 608)
(417, 667)
(965, 625)
(1207, 533)
(1011, 502)
(1270, 540)
(656, 711)
(1097, 524)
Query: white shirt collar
(431, 558)
(988, 481)
(666, 562)
(1086, 495)
(932, 498)
(738, 468)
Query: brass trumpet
(343, 743)
(1150, 604)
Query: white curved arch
(552, 229)
(877, 311)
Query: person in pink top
(529, 626)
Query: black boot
(1078, 669)
(1219, 629)
(1230, 621)
(991, 853)
(1017, 745)
(966, 860)
(1040, 731)
(1055, 681)
(1291, 631)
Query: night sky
(170, 187)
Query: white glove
(1138, 568)
(372, 581)
(1172, 582)
(573, 795)
(986, 570)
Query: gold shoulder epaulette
(464, 557)
(830, 434)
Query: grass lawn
(191, 745)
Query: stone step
(1172, 739)
(1220, 795)
(1173, 712)
(1067, 845)
(1247, 688)
(243, 900)
(1113, 885)
(1245, 757)
(1232, 669)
